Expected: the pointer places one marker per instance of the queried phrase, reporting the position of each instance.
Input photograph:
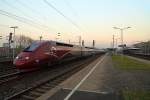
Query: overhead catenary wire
(6, 26)
(22, 12)
(30, 9)
(35, 11)
(70, 8)
(74, 12)
(59, 12)
(25, 20)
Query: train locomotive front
(34, 56)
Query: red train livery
(47, 53)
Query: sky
(90, 19)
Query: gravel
(7, 68)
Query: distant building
(144, 46)
(5, 51)
(5, 44)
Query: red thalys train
(49, 52)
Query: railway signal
(14, 27)
(10, 38)
(58, 36)
(0, 37)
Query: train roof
(89, 47)
(61, 44)
(132, 48)
(64, 44)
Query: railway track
(43, 86)
(7, 68)
(8, 77)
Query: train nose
(22, 58)
(19, 60)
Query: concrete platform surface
(84, 95)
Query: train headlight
(37, 61)
(17, 57)
(26, 58)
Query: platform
(92, 88)
(84, 95)
(139, 59)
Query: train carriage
(47, 53)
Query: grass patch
(136, 95)
(127, 63)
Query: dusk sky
(90, 19)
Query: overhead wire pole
(113, 43)
(80, 40)
(93, 44)
(14, 46)
(116, 44)
(41, 38)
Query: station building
(144, 47)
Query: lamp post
(14, 27)
(121, 31)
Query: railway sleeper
(45, 87)
(7, 79)
(36, 93)
(32, 93)
(41, 90)
(54, 84)
(60, 79)
(28, 97)
(57, 81)
(49, 85)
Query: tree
(23, 41)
